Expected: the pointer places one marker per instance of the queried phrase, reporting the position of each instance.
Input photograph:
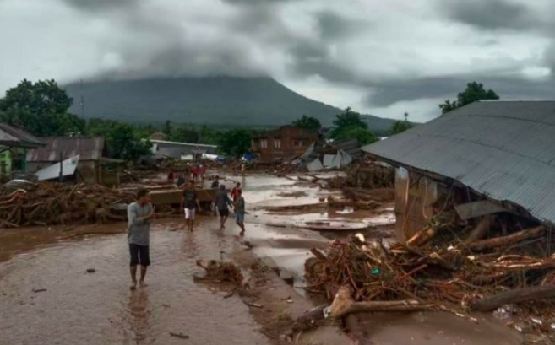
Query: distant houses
(286, 142)
(162, 149)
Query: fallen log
(507, 240)
(513, 297)
(344, 304)
(481, 229)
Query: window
(298, 143)
(277, 143)
(263, 143)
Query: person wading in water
(189, 202)
(139, 215)
(222, 202)
(240, 211)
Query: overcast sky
(379, 57)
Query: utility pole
(82, 101)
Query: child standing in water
(240, 210)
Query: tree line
(42, 109)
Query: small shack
(489, 157)
(90, 150)
(14, 144)
(162, 149)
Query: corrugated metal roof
(15, 137)
(503, 149)
(85, 148)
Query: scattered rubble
(55, 203)
(439, 268)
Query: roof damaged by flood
(502, 149)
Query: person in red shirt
(170, 175)
(195, 173)
(235, 192)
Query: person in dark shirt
(240, 211)
(216, 182)
(181, 180)
(189, 202)
(222, 202)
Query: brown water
(98, 308)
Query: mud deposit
(64, 285)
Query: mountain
(217, 101)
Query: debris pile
(53, 203)
(439, 268)
(220, 272)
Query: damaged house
(493, 160)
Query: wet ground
(47, 296)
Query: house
(329, 155)
(500, 152)
(14, 144)
(168, 149)
(283, 143)
(91, 152)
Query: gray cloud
(98, 5)
(379, 54)
(491, 14)
(332, 25)
(508, 88)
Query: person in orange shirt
(235, 192)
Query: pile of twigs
(452, 272)
(54, 203)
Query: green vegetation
(235, 142)
(474, 92)
(308, 123)
(41, 108)
(350, 124)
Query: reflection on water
(139, 316)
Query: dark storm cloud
(257, 2)
(490, 14)
(391, 92)
(332, 25)
(98, 5)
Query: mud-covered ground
(48, 297)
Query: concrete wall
(414, 196)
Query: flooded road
(48, 297)
(98, 308)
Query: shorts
(140, 255)
(240, 217)
(189, 213)
(224, 212)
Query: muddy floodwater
(70, 285)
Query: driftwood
(421, 237)
(507, 240)
(310, 318)
(344, 304)
(514, 296)
(219, 271)
(481, 228)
